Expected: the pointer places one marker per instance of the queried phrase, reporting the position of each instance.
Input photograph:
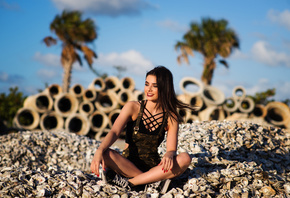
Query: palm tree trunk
(67, 68)
(208, 69)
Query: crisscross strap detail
(152, 122)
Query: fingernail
(162, 168)
(98, 175)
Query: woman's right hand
(97, 160)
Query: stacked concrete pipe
(92, 111)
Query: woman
(146, 122)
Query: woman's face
(150, 88)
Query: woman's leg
(180, 164)
(120, 164)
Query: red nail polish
(162, 168)
(98, 175)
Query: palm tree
(74, 34)
(210, 38)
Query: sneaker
(111, 177)
(161, 186)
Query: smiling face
(151, 88)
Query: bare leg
(120, 164)
(181, 163)
(126, 168)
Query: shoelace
(120, 181)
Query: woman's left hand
(167, 161)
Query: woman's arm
(171, 144)
(127, 113)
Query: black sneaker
(161, 186)
(111, 177)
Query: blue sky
(140, 34)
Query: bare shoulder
(133, 105)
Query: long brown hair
(167, 99)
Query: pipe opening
(182, 113)
(64, 104)
(54, 90)
(126, 84)
(50, 122)
(230, 103)
(245, 104)
(98, 84)
(191, 86)
(208, 94)
(258, 111)
(214, 115)
(42, 102)
(124, 97)
(97, 120)
(106, 101)
(110, 84)
(25, 118)
(86, 108)
(77, 89)
(75, 125)
(89, 94)
(275, 114)
(239, 92)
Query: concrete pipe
(100, 133)
(191, 119)
(98, 84)
(112, 83)
(51, 120)
(53, 90)
(193, 90)
(41, 102)
(113, 116)
(278, 113)
(86, 108)
(212, 96)
(247, 105)
(66, 104)
(138, 95)
(125, 96)
(231, 105)
(212, 113)
(128, 83)
(107, 101)
(98, 121)
(239, 93)
(259, 111)
(77, 90)
(26, 118)
(184, 113)
(77, 123)
(90, 95)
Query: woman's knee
(185, 159)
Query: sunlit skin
(171, 164)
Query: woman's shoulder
(133, 105)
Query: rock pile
(229, 159)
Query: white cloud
(47, 59)
(264, 53)
(281, 18)
(47, 74)
(132, 60)
(172, 25)
(105, 7)
(9, 6)
(237, 54)
(3, 76)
